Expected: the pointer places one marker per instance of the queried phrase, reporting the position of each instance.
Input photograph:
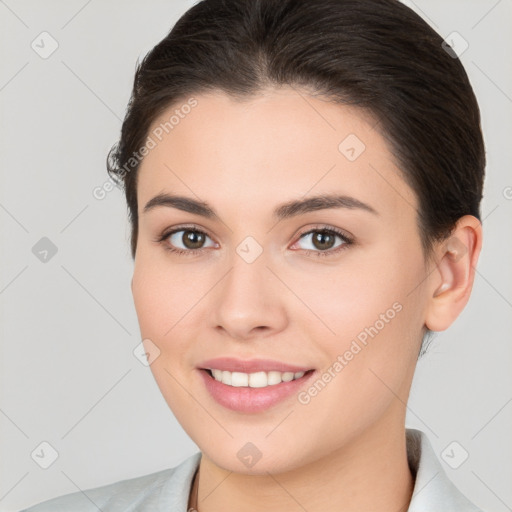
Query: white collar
(433, 490)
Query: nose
(249, 301)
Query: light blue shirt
(168, 490)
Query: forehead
(278, 145)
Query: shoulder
(163, 490)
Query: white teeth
(287, 376)
(273, 378)
(254, 380)
(238, 379)
(225, 377)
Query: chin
(241, 462)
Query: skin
(347, 445)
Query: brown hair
(375, 54)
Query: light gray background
(68, 326)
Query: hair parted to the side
(378, 55)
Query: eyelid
(188, 227)
(345, 236)
(347, 241)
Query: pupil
(323, 240)
(193, 239)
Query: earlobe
(451, 282)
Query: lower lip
(246, 399)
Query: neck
(370, 473)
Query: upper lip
(232, 364)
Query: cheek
(163, 294)
(369, 360)
(151, 301)
(168, 299)
(162, 298)
(346, 302)
(368, 316)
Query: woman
(303, 180)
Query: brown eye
(193, 239)
(188, 240)
(323, 240)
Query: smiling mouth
(259, 379)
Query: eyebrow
(286, 210)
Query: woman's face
(264, 280)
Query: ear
(451, 282)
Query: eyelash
(193, 252)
